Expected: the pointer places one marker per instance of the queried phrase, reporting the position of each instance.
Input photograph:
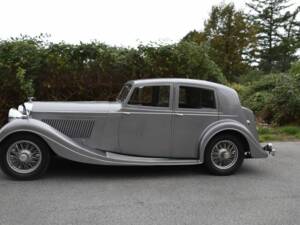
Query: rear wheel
(224, 155)
(24, 156)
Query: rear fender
(230, 125)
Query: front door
(145, 125)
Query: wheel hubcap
(24, 156)
(224, 154)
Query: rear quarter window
(196, 98)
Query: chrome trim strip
(117, 156)
(138, 112)
(223, 115)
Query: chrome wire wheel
(224, 154)
(24, 156)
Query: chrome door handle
(179, 114)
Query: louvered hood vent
(72, 128)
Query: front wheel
(24, 156)
(224, 155)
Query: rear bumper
(269, 148)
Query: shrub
(275, 98)
(240, 88)
(91, 71)
(286, 100)
(295, 68)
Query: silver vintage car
(152, 122)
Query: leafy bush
(275, 98)
(295, 68)
(240, 88)
(20, 64)
(91, 71)
(95, 71)
(250, 77)
(286, 100)
(25, 85)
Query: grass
(286, 133)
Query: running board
(137, 160)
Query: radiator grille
(72, 128)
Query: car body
(153, 122)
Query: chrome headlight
(22, 112)
(25, 108)
(22, 109)
(15, 114)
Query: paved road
(265, 191)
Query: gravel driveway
(264, 191)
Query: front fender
(62, 145)
(230, 125)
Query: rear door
(145, 125)
(195, 108)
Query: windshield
(124, 92)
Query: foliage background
(93, 71)
(232, 49)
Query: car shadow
(62, 168)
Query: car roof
(228, 96)
(178, 80)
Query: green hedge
(95, 71)
(275, 98)
(91, 71)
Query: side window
(196, 98)
(150, 96)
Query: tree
(231, 37)
(278, 36)
(195, 36)
(185, 59)
(289, 44)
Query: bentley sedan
(152, 122)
